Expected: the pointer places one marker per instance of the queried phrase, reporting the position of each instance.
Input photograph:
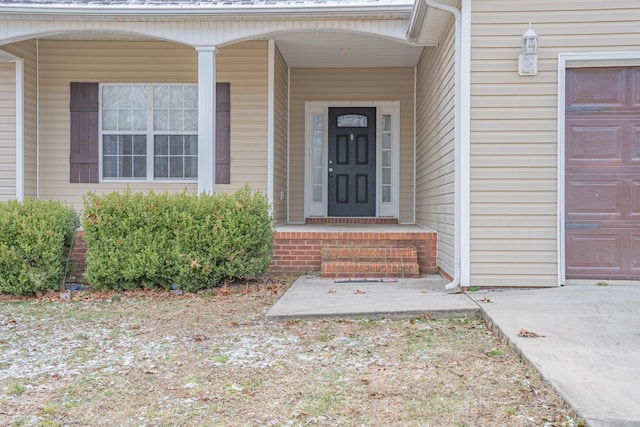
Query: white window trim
(382, 108)
(577, 60)
(149, 133)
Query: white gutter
(462, 136)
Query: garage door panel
(596, 86)
(635, 143)
(635, 253)
(594, 142)
(635, 87)
(594, 198)
(594, 250)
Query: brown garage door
(603, 173)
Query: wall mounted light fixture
(528, 59)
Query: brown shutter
(223, 133)
(84, 133)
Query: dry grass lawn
(159, 359)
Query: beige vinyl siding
(435, 145)
(351, 84)
(7, 131)
(513, 129)
(281, 115)
(61, 62)
(27, 51)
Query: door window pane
(352, 121)
(386, 158)
(317, 157)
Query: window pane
(191, 167)
(124, 97)
(161, 145)
(109, 119)
(191, 120)
(124, 120)
(139, 97)
(352, 121)
(175, 167)
(160, 120)
(161, 167)
(176, 100)
(176, 120)
(127, 144)
(386, 175)
(110, 144)
(161, 97)
(191, 97)
(126, 167)
(140, 166)
(175, 145)
(191, 145)
(386, 194)
(386, 123)
(317, 193)
(110, 166)
(139, 122)
(140, 144)
(109, 97)
(386, 158)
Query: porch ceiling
(340, 49)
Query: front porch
(351, 249)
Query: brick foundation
(78, 256)
(301, 251)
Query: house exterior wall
(61, 62)
(350, 84)
(514, 173)
(281, 115)
(435, 144)
(27, 51)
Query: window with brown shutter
(129, 142)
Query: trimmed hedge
(35, 239)
(166, 240)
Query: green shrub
(35, 240)
(161, 240)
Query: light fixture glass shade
(528, 59)
(530, 41)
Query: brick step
(367, 262)
(370, 254)
(342, 269)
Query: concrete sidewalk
(589, 348)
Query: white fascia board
(402, 10)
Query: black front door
(352, 161)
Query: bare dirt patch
(156, 358)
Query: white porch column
(19, 129)
(206, 119)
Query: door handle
(330, 172)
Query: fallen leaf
(485, 299)
(528, 334)
(358, 291)
(332, 291)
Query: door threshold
(350, 220)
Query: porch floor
(299, 248)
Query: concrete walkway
(589, 348)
